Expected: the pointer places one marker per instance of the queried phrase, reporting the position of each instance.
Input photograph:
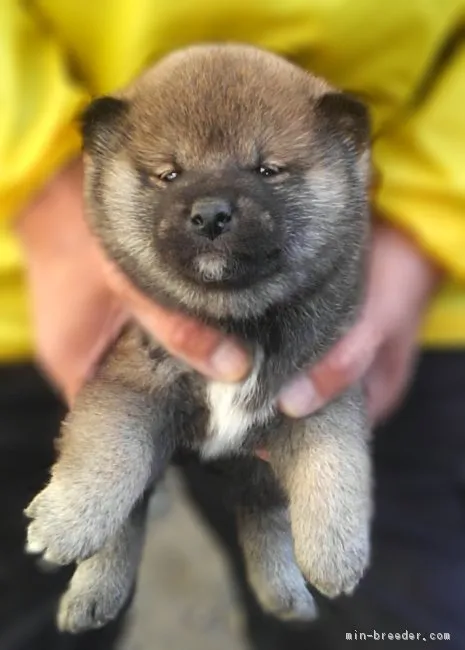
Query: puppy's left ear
(344, 118)
(103, 123)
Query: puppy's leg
(102, 584)
(113, 444)
(324, 467)
(266, 539)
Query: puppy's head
(225, 179)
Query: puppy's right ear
(102, 124)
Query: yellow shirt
(406, 59)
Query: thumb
(344, 365)
(203, 348)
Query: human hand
(380, 349)
(80, 302)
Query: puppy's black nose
(211, 217)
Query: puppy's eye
(267, 171)
(152, 178)
(169, 176)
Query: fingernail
(263, 455)
(299, 398)
(230, 362)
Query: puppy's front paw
(330, 498)
(65, 526)
(333, 562)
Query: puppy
(231, 185)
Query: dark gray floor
(184, 599)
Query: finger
(388, 378)
(107, 335)
(200, 346)
(71, 360)
(376, 392)
(344, 365)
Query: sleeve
(38, 104)
(420, 164)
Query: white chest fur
(230, 420)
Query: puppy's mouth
(211, 267)
(217, 270)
